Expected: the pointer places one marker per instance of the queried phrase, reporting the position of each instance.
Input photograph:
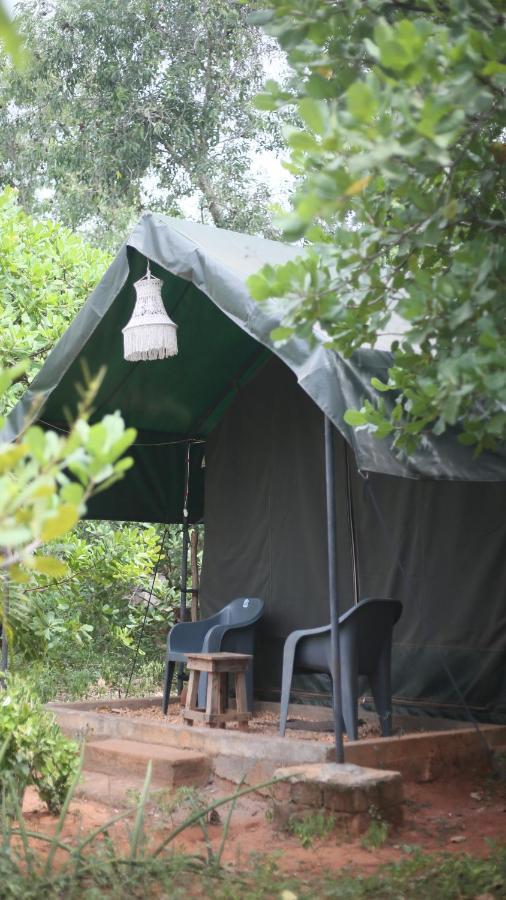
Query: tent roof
(224, 338)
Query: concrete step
(127, 760)
(118, 790)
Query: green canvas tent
(430, 529)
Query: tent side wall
(439, 547)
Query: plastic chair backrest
(242, 611)
(370, 622)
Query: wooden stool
(217, 712)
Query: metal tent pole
(182, 600)
(333, 599)
(355, 563)
(184, 560)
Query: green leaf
(361, 101)
(265, 102)
(450, 408)
(14, 536)
(312, 112)
(463, 312)
(467, 438)
(488, 340)
(280, 334)
(10, 40)
(355, 418)
(494, 68)
(60, 522)
(380, 385)
(49, 565)
(36, 442)
(123, 443)
(72, 493)
(301, 140)
(123, 465)
(393, 55)
(383, 429)
(261, 17)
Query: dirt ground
(459, 813)
(261, 723)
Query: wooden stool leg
(192, 695)
(241, 698)
(213, 695)
(223, 695)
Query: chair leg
(349, 700)
(169, 674)
(349, 685)
(381, 690)
(204, 678)
(286, 684)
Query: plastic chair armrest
(311, 632)
(188, 636)
(214, 637)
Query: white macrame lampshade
(150, 333)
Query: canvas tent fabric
(221, 345)
(225, 352)
(439, 547)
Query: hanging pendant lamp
(150, 333)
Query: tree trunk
(213, 203)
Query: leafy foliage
(128, 103)
(105, 564)
(46, 479)
(85, 613)
(9, 38)
(401, 166)
(46, 273)
(45, 482)
(34, 750)
(94, 615)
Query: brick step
(127, 760)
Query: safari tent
(249, 417)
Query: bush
(77, 636)
(33, 750)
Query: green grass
(377, 833)
(312, 827)
(103, 874)
(89, 866)
(426, 877)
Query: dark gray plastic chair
(232, 630)
(365, 644)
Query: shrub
(33, 750)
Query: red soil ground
(460, 813)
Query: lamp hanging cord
(155, 573)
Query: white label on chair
(245, 604)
